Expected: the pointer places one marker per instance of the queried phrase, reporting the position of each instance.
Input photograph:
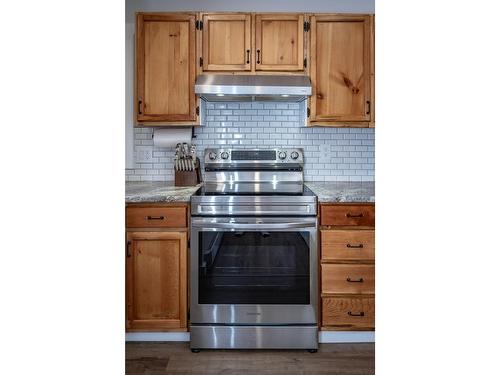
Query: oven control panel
(278, 155)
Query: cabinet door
(156, 281)
(340, 68)
(226, 42)
(165, 63)
(279, 42)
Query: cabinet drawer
(156, 217)
(348, 278)
(347, 244)
(349, 312)
(363, 215)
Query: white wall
(336, 6)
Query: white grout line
(324, 337)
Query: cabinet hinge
(307, 26)
(308, 112)
(201, 61)
(128, 249)
(199, 25)
(305, 62)
(197, 111)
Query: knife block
(189, 178)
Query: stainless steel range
(253, 252)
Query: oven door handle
(254, 226)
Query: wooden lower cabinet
(347, 267)
(156, 281)
(352, 313)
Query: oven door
(248, 270)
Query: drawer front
(348, 244)
(349, 312)
(156, 217)
(347, 278)
(363, 215)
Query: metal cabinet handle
(140, 107)
(362, 313)
(369, 107)
(360, 246)
(248, 56)
(156, 217)
(352, 215)
(128, 249)
(349, 280)
(258, 56)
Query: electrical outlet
(143, 154)
(325, 154)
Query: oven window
(254, 268)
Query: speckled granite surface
(161, 191)
(157, 191)
(328, 192)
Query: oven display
(250, 155)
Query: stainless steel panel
(252, 87)
(253, 314)
(257, 337)
(253, 205)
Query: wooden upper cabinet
(341, 68)
(279, 42)
(156, 284)
(165, 67)
(226, 42)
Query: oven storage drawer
(347, 245)
(348, 278)
(351, 313)
(348, 215)
(156, 217)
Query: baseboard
(157, 336)
(325, 337)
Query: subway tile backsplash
(331, 154)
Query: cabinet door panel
(226, 42)
(279, 42)
(165, 67)
(156, 280)
(340, 68)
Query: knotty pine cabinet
(156, 267)
(252, 43)
(342, 70)
(347, 266)
(165, 68)
(279, 42)
(226, 42)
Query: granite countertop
(157, 191)
(161, 191)
(355, 192)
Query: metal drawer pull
(351, 215)
(349, 280)
(248, 56)
(360, 246)
(362, 313)
(156, 217)
(258, 56)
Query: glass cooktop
(251, 188)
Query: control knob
(224, 155)
(282, 155)
(294, 155)
(212, 156)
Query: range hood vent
(222, 87)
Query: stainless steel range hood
(222, 87)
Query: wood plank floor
(147, 358)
